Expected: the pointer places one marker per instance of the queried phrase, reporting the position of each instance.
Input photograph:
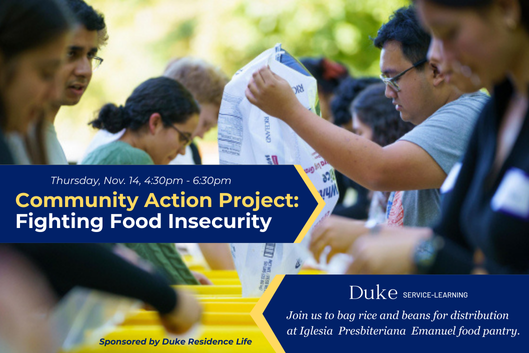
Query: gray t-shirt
(444, 135)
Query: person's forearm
(400, 166)
(92, 266)
(218, 256)
(358, 158)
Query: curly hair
(375, 110)
(205, 81)
(89, 18)
(344, 96)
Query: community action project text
(42, 222)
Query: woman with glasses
(159, 118)
(205, 82)
(485, 211)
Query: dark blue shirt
(469, 221)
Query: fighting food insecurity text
(128, 203)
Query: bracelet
(426, 252)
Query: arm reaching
(399, 166)
(388, 252)
(337, 232)
(99, 268)
(186, 314)
(218, 256)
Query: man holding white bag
(419, 162)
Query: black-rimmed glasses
(185, 137)
(96, 62)
(392, 81)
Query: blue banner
(313, 313)
(247, 204)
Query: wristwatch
(426, 252)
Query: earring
(466, 71)
(511, 24)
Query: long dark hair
(25, 25)
(345, 95)
(161, 95)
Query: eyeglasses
(392, 81)
(96, 62)
(185, 137)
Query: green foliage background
(146, 34)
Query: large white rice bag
(247, 135)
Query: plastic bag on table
(247, 135)
(84, 316)
(257, 264)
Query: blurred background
(146, 34)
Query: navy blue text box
(470, 313)
(186, 190)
